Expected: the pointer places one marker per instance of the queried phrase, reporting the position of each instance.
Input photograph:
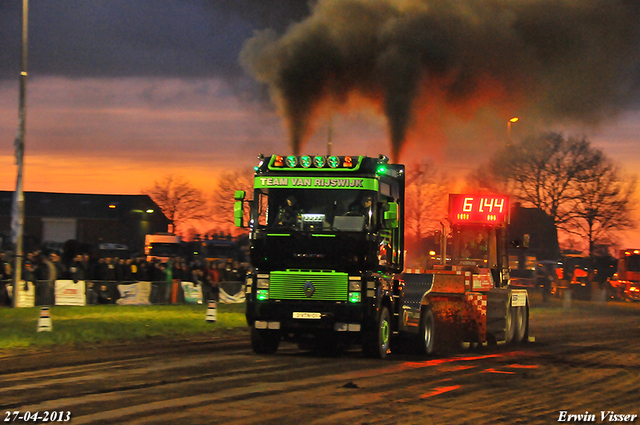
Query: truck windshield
(633, 263)
(471, 243)
(317, 209)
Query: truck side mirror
(525, 241)
(238, 213)
(238, 210)
(391, 216)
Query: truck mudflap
(459, 318)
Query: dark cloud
(551, 59)
(117, 38)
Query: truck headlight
(262, 294)
(355, 283)
(262, 281)
(355, 297)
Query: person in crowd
(179, 269)
(92, 267)
(61, 270)
(168, 279)
(110, 270)
(76, 269)
(5, 278)
(154, 272)
(235, 272)
(210, 282)
(198, 278)
(222, 271)
(46, 274)
(5, 267)
(142, 268)
(121, 272)
(28, 274)
(100, 269)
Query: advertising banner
(134, 294)
(26, 294)
(237, 298)
(68, 292)
(192, 293)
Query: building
(53, 218)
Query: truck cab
(625, 283)
(321, 228)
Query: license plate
(306, 315)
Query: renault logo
(309, 289)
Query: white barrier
(26, 294)
(68, 292)
(231, 299)
(192, 293)
(134, 294)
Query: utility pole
(17, 211)
(511, 121)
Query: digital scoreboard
(479, 209)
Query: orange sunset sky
(112, 113)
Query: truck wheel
(264, 341)
(521, 324)
(510, 324)
(376, 343)
(427, 332)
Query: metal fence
(107, 292)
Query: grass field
(116, 323)
(112, 323)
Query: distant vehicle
(161, 246)
(625, 283)
(216, 250)
(522, 275)
(575, 273)
(553, 270)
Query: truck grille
(290, 285)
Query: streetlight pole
(511, 121)
(17, 212)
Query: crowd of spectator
(41, 267)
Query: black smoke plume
(555, 59)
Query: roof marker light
(291, 161)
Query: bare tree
(543, 172)
(574, 183)
(604, 205)
(178, 200)
(223, 197)
(426, 200)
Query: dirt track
(584, 359)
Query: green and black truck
(327, 249)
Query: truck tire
(510, 324)
(264, 341)
(521, 324)
(376, 343)
(427, 334)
